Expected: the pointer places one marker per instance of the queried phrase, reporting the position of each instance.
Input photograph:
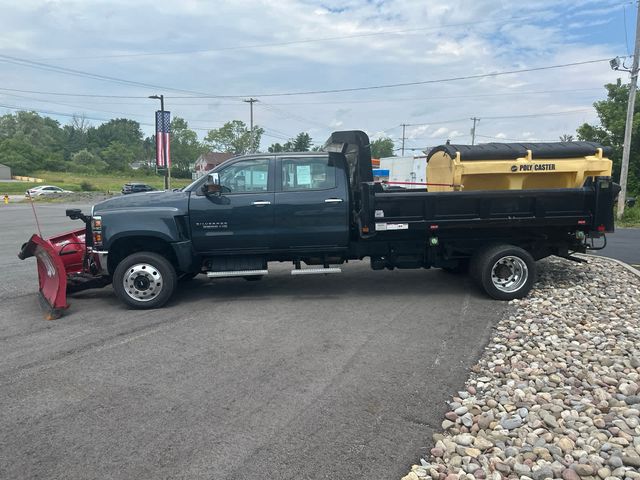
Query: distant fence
(28, 179)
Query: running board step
(237, 273)
(315, 271)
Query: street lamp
(167, 173)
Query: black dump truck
(319, 210)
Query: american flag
(163, 121)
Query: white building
(5, 172)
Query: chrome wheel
(142, 282)
(509, 274)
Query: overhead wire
(194, 94)
(371, 100)
(408, 84)
(94, 76)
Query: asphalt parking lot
(624, 245)
(336, 377)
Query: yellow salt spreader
(516, 166)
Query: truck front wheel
(144, 280)
(505, 272)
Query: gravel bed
(556, 393)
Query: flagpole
(167, 168)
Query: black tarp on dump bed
(511, 151)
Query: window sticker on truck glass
(303, 174)
(379, 213)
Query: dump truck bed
(392, 212)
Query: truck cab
(265, 204)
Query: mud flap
(52, 276)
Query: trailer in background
(406, 169)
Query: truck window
(308, 173)
(247, 176)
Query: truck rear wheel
(505, 272)
(144, 280)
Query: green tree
(21, 156)
(41, 132)
(118, 156)
(382, 147)
(566, 138)
(234, 137)
(75, 135)
(302, 142)
(185, 147)
(276, 148)
(612, 114)
(87, 159)
(121, 130)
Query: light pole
(167, 169)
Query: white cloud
(432, 40)
(442, 131)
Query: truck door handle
(333, 200)
(261, 203)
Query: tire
(144, 280)
(253, 278)
(505, 272)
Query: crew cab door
(312, 203)
(241, 217)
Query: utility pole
(626, 149)
(251, 101)
(404, 126)
(473, 130)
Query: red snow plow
(65, 265)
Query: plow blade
(52, 275)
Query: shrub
(86, 186)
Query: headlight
(96, 230)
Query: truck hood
(175, 200)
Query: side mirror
(212, 185)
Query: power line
(514, 139)
(371, 100)
(289, 115)
(93, 76)
(65, 94)
(409, 84)
(547, 114)
(193, 94)
(71, 115)
(501, 117)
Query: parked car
(136, 188)
(44, 190)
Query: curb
(633, 270)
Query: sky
(102, 59)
